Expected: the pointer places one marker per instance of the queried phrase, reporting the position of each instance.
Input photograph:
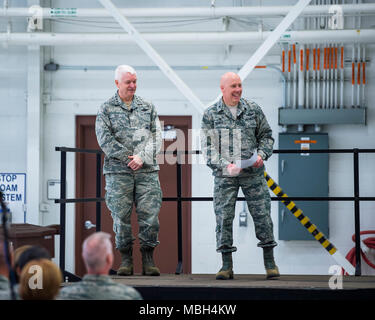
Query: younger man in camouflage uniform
(96, 284)
(232, 129)
(128, 131)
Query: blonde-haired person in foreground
(40, 280)
(97, 254)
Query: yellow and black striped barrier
(312, 228)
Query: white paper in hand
(247, 162)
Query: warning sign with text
(13, 187)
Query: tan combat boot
(272, 271)
(148, 265)
(126, 267)
(226, 271)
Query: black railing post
(357, 225)
(62, 209)
(179, 214)
(98, 191)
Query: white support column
(34, 134)
(150, 51)
(270, 41)
(34, 173)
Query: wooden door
(166, 253)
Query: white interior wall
(13, 96)
(13, 109)
(69, 93)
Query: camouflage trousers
(143, 190)
(258, 200)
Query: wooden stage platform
(250, 287)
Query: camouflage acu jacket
(98, 287)
(5, 289)
(225, 139)
(122, 132)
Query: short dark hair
(32, 253)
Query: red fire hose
(369, 242)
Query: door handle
(282, 215)
(89, 225)
(282, 165)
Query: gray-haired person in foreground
(97, 255)
(128, 131)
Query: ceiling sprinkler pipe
(328, 85)
(353, 73)
(336, 80)
(301, 79)
(208, 38)
(314, 105)
(363, 76)
(318, 77)
(294, 77)
(342, 76)
(307, 103)
(359, 76)
(331, 92)
(324, 78)
(289, 94)
(253, 11)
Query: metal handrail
(179, 199)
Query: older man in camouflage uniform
(97, 254)
(128, 131)
(232, 129)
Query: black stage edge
(70, 276)
(254, 294)
(195, 287)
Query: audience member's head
(17, 254)
(40, 280)
(32, 253)
(97, 253)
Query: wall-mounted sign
(53, 189)
(305, 144)
(13, 187)
(169, 133)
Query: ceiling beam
(155, 57)
(270, 41)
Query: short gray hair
(122, 69)
(95, 250)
